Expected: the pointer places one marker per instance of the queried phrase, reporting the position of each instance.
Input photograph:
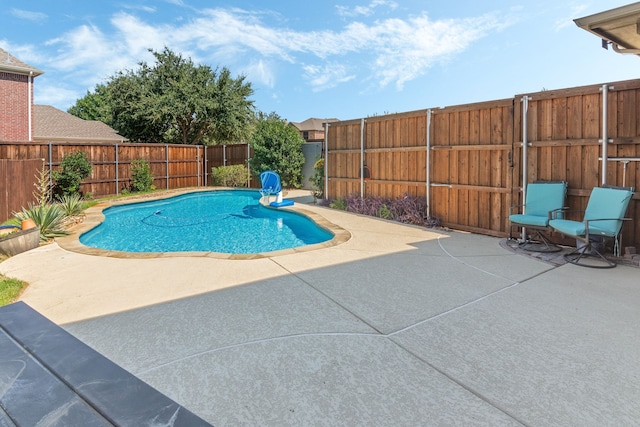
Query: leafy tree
(93, 106)
(173, 101)
(277, 147)
(131, 116)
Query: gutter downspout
(30, 100)
(624, 51)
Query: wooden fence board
(20, 177)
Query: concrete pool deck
(398, 325)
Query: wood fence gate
(469, 161)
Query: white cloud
(575, 11)
(28, 54)
(407, 48)
(149, 9)
(138, 37)
(326, 76)
(83, 53)
(367, 10)
(260, 71)
(28, 15)
(48, 93)
(227, 31)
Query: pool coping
(94, 217)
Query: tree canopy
(277, 147)
(173, 101)
(93, 106)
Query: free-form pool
(227, 221)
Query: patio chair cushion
(530, 220)
(542, 197)
(576, 228)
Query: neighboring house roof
(312, 124)
(52, 124)
(619, 27)
(11, 64)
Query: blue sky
(344, 59)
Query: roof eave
(21, 70)
(604, 23)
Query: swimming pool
(226, 221)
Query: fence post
(198, 166)
(117, 171)
(525, 146)
(428, 189)
(248, 165)
(326, 160)
(50, 166)
(206, 165)
(605, 134)
(362, 158)
(166, 151)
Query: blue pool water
(214, 221)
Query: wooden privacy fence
(19, 177)
(172, 165)
(469, 162)
(228, 155)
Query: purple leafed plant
(406, 209)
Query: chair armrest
(587, 221)
(554, 213)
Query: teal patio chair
(603, 219)
(542, 199)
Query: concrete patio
(399, 325)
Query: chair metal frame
(596, 227)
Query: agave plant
(48, 217)
(71, 204)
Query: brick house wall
(14, 106)
(312, 135)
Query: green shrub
(384, 212)
(338, 203)
(50, 219)
(141, 176)
(71, 204)
(229, 176)
(317, 179)
(73, 169)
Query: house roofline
(21, 70)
